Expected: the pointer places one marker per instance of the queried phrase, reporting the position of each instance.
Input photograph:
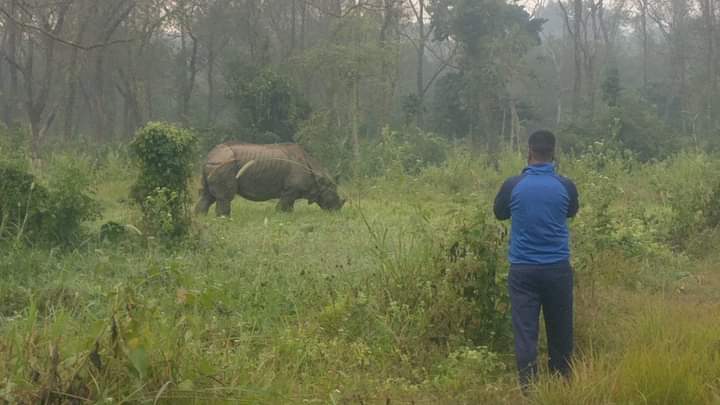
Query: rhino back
(269, 170)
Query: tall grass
(397, 298)
(667, 353)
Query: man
(539, 201)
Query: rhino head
(326, 196)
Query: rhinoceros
(262, 173)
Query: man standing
(539, 201)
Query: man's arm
(502, 199)
(574, 205)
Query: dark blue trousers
(550, 288)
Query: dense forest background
(640, 73)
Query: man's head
(541, 147)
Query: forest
(112, 290)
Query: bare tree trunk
(388, 69)
(356, 118)
(303, 19)
(210, 118)
(643, 23)
(293, 28)
(590, 54)
(420, 73)
(73, 81)
(577, 79)
(711, 92)
(101, 116)
(11, 99)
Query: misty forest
(377, 274)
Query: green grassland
(397, 298)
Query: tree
(42, 27)
(266, 103)
(493, 36)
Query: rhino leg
(286, 204)
(287, 201)
(203, 205)
(222, 208)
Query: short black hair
(542, 144)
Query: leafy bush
(266, 102)
(23, 203)
(325, 140)
(71, 198)
(476, 270)
(404, 152)
(14, 144)
(51, 213)
(633, 125)
(164, 155)
(688, 188)
(465, 367)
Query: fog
(483, 72)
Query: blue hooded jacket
(539, 201)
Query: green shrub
(688, 187)
(476, 270)
(71, 198)
(402, 152)
(14, 145)
(325, 141)
(23, 204)
(164, 155)
(466, 367)
(265, 102)
(633, 125)
(51, 213)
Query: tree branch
(60, 40)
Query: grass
(360, 306)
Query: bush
(632, 125)
(164, 155)
(14, 145)
(51, 214)
(23, 203)
(688, 187)
(71, 198)
(475, 268)
(405, 152)
(325, 141)
(265, 102)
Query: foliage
(325, 141)
(400, 296)
(14, 146)
(611, 86)
(477, 269)
(449, 114)
(457, 175)
(46, 212)
(689, 189)
(493, 36)
(22, 204)
(72, 198)
(164, 155)
(633, 125)
(405, 152)
(266, 103)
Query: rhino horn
(243, 169)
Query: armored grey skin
(264, 172)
